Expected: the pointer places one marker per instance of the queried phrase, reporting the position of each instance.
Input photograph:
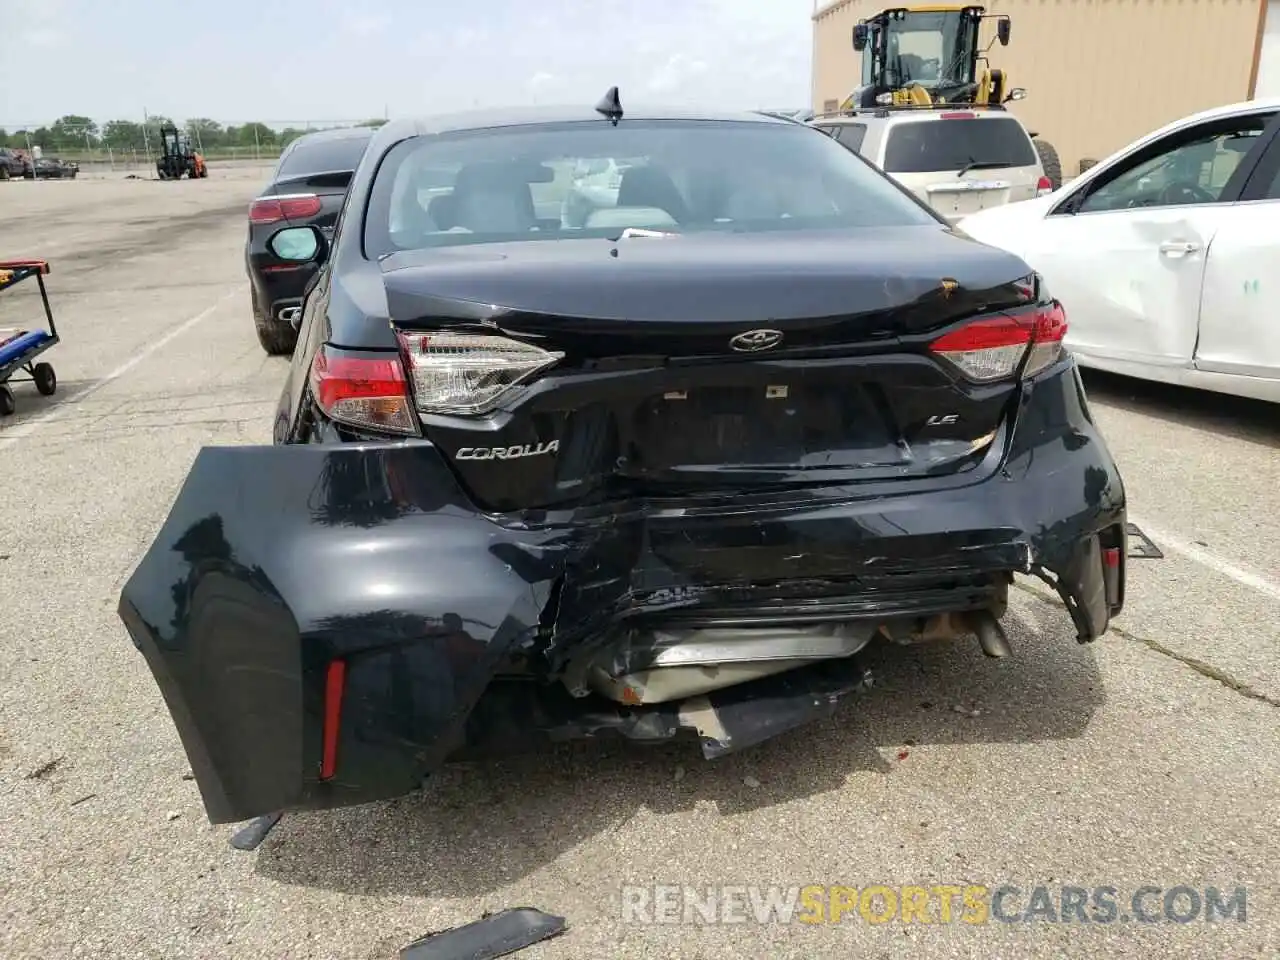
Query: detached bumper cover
(274, 561)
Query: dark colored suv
(307, 187)
(12, 164)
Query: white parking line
(1247, 578)
(28, 427)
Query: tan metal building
(1074, 56)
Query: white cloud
(365, 24)
(43, 37)
(415, 58)
(678, 72)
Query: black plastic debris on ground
(1140, 545)
(493, 935)
(251, 836)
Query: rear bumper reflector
(335, 681)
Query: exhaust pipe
(991, 636)
(290, 315)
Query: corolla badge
(507, 453)
(754, 341)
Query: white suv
(957, 160)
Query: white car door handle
(1176, 248)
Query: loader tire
(1049, 161)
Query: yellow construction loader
(929, 56)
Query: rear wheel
(276, 337)
(4, 173)
(46, 380)
(1049, 161)
(7, 406)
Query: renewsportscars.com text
(931, 904)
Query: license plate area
(968, 196)
(799, 426)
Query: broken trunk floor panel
(515, 716)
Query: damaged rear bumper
(459, 632)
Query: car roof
(337, 133)
(912, 116)
(485, 119)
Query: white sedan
(1166, 255)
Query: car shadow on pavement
(31, 405)
(1239, 417)
(478, 827)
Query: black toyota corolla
(666, 465)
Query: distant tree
(73, 131)
(256, 134)
(41, 137)
(205, 132)
(375, 122)
(156, 121)
(122, 134)
(288, 135)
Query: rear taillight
(291, 206)
(362, 391)
(1044, 185)
(993, 348)
(958, 115)
(467, 373)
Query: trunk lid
(713, 362)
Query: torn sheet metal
(495, 935)
(1141, 546)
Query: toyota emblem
(754, 341)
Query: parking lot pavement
(1147, 758)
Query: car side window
(852, 135)
(1272, 192)
(1191, 166)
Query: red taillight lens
(362, 391)
(1043, 186)
(958, 115)
(293, 206)
(993, 348)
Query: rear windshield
(592, 179)
(323, 156)
(934, 145)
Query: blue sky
(294, 60)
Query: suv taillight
(1043, 186)
(993, 348)
(359, 390)
(288, 206)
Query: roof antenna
(610, 106)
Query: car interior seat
(647, 186)
(493, 198)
